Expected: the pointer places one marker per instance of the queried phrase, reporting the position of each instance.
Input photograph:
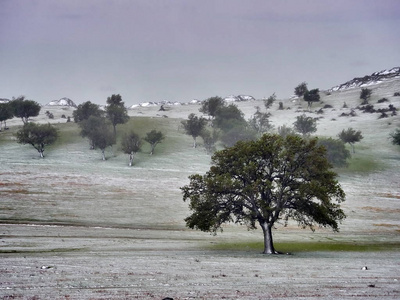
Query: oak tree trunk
(131, 159)
(268, 243)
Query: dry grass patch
(380, 209)
(386, 225)
(389, 195)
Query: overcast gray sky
(179, 50)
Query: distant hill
(4, 100)
(367, 80)
(231, 98)
(62, 102)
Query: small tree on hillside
(194, 126)
(131, 144)
(99, 133)
(350, 136)
(211, 105)
(395, 137)
(301, 89)
(154, 137)
(269, 101)
(228, 116)
(311, 96)
(365, 94)
(85, 110)
(24, 109)
(116, 111)
(305, 125)
(37, 135)
(5, 114)
(260, 123)
(263, 182)
(210, 138)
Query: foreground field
(75, 227)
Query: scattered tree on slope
(305, 125)
(116, 111)
(350, 136)
(131, 144)
(233, 126)
(154, 137)
(99, 133)
(24, 109)
(365, 94)
(37, 135)
(301, 89)
(5, 114)
(85, 110)
(194, 126)
(311, 96)
(211, 105)
(395, 137)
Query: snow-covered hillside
(62, 102)
(374, 78)
(3, 100)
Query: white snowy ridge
(62, 102)
(374, 78)
(231, 98)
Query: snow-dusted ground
(75, 227)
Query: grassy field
(103, 230)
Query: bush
(383, 100)
(368, 108)
(395, 137)
(305, 125)
(396, 94)
(49, 114)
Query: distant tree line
(19, 108)
(224, 126)
(37, 135)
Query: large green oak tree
(265, 181)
